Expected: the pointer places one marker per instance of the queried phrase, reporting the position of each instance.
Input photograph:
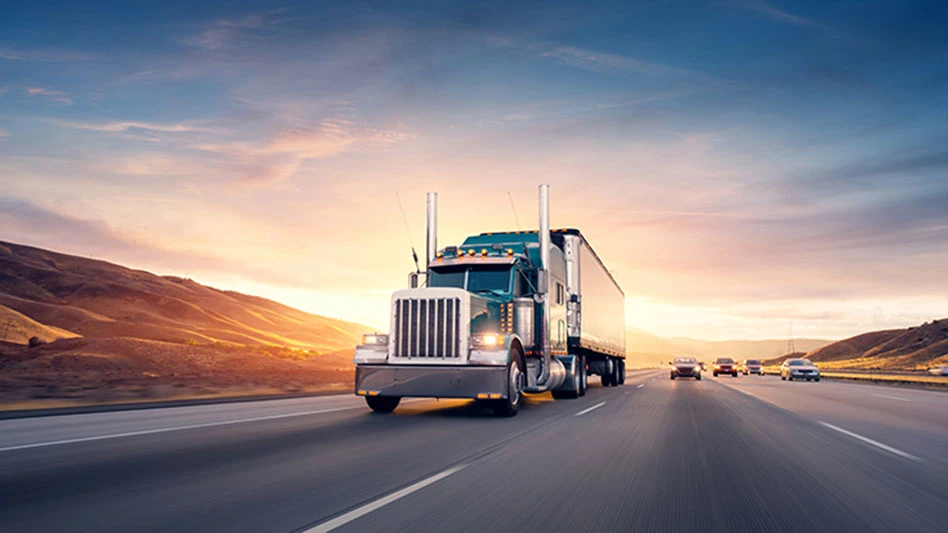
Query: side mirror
(669, 362)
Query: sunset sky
(737, 164)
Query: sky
(738, 165)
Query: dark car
(685, 367)
(725, 365)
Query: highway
(726, 454)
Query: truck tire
(382, 404)
(584, 380)
(606, 376)
(510, 405)
(621, 371)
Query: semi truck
(501, 315)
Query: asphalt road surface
(727, 454)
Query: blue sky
(738, 164)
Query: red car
(725, 365)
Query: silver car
(799, 369)
(938, 371)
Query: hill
(914, 348)
(114, 333)
(96, 299)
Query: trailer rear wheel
(584, 377)
(509, 406)
(382, 404)
(608, 373)
(621, 371)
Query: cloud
(51, 95)
(590, 60)
(282, 156)
(44, 55)
(772, 12)
(23, 221)
(119, 127)
(222, 32)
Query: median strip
(358, 512)
(871, 442)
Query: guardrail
(882, 377)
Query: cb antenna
(414, 255)
(514, 209)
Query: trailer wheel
(509, 406)
(621, 377)
(608, 373)
(584, 377)
(382, 404)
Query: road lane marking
(584, 411)
(640, 385)
(899, 398)
(742, 391)
(381, 502)
(176, 428)
(877, 444)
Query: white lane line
(640, 385)
(584, 411)
(176, 428)
(899, 398)
(381, 502)
(877, 444)
(742, 391)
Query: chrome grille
(428, 327)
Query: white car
(938, 371)
(799, 369)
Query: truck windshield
(475, 279)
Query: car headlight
(490, 341)
(374, 339)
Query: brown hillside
(915, 348)
(97, 299)
(853, 347)
(17, 328)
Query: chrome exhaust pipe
(432, 241)
(543, 281)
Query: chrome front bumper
(429, 381)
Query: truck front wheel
(382, 404)
(509, 406)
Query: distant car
(685, 367)
(799, 369)
(725, 365)
(938, 371)
(752, 366)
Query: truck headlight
(374, 339)
(488, 341)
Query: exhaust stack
(543, 280)
(432, 241)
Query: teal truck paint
(500, 315)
